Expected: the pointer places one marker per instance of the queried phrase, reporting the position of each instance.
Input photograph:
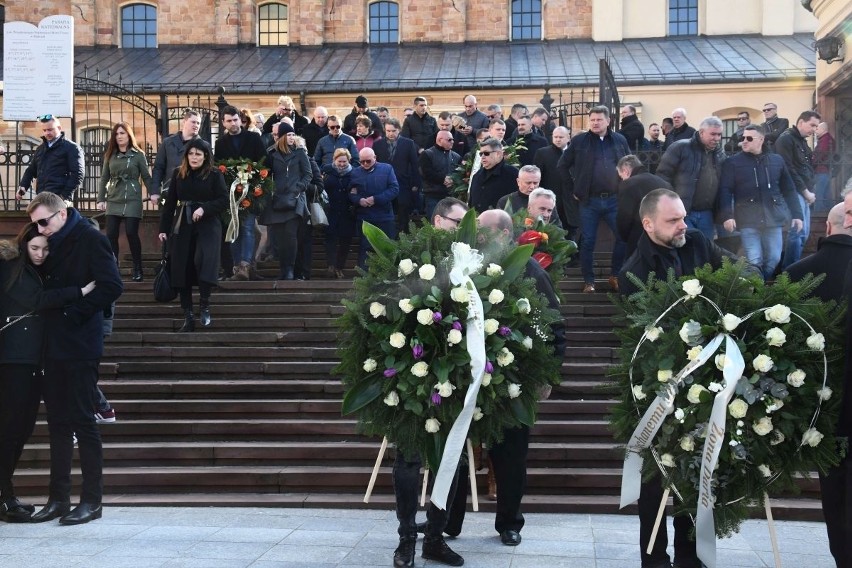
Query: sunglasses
(768, 109)
(367, 162)
(486, 153)
(334, 127)
(742, 118)
(44, 118)
(46, 221)
(749, 138)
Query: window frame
(278, 33)
(388, 30)
(531, 26)
(146, 34)
(680, 7)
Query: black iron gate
(572, 108)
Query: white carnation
(687, 443)
(370, 365)
(693, 353)
(424, 317)
(730, 322)
(514, 390)
(667, 460)
(523, 305)
(496, 296)
(527, 343)
(715, 387)
(406, 266)
(494, 270)
(432, 425)
(762, 363)
(763, 426)
(638, 394)
(775, 337)
(779, 313)
(812, 437)
(816, 342)
(692, 287)
(679, 414)
(491, 326)
(392, 399)
(738, 408)
(454, 337)
(427, 271)
(796, 378)
(377, 310)
(397, 340)
(406, 306)
(420, 369)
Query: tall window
(274, 25)
(138, 26)
(384, 22)
(683, 17)
(526, 19)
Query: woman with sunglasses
(21, 348)
(190, 222)
(120, 193)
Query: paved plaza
(148, 537)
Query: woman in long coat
(120, 193)
(337, 177)
(190, 222)
(291, 171)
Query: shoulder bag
(163, 291)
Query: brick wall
(567, 19)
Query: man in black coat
(632, 129)
(680, 129)
(316, 129)
(636, 183)
(361, 108)
(286, 109)
(401, 153)
(79, 254)
(57, 164)
(773, 125)
(494, 179)
(834, 259)
(420, 126)
(547, 161)
(436, 166)
(531, 140)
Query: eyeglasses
(334, 127)
(46, 221)
(768, 109)
(456, 221)
(45, 118)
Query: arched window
(683, 17)
(526, 19)
(384, 22)
(273, 24)
(138, 26)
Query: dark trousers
(131, 231)
(305, 250)
(337, 249)
(286, 239)
(836, 490)
(650, 496)
(19, 400)
(388, 227)
(204, 291)
(406, 485)
(68, 388)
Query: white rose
(496, 296)
(460, 295)
(775, 337)
(721, 361)
(687, 443)
(377, 310)
(694, 393)
(494, 270)
(432, 425)
(406, 306)
(762, 363)
(796, 378)
(427, 271)
(812, 437)
(692, 287)
(397, 340)
(738, 408)
(667, 460)
(420, 369)
(693, 353)
(816, 342)
(653, 333)
(523, 305)
(764, 470)
(424, 317)
(763, 426)
(663, 375)
(486, 379)
(779, 313)
(406, 266)
(638, 394)
(445, 389)
(527, 343)
(514, 390)
(491, 326)
(730, 322)
(370, 365)
(505, 357)
(454, 337)
(824, 393)
(477, 414)
(392, 399)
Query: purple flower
(417, 351)
(390, 372)
(457, 325)
(437, 317)
(504, 330)
(436, 399)
(489, 368)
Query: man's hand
(797, 225)
(809, 196)
(20, 193)
(730, 225)
(162, 237)
(448, 181)
(154, 198)
(363, 202)
(371, 201)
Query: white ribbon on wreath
(466, 262)
(234, 205)
(663, 405)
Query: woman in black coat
(284, 213)
(21, 352)
(193, 228)
(337, 177)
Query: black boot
(205, 313)
(403, 556)
(137, 272)
(188, 321)
(287, 274)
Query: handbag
(284, 201)
(163, 291)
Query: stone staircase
(246, 412)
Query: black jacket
(576, 166)
(349, 122)
(533, 142)
(405, 163)
(681, 167)
(757, 192)
(685, 132)
(421, 129)
(633, 131)
(435, 165)
(299, 122)
(792, 146)
(251, 148)
(59, 169)
(630, 194)
(488, 186)
(79, 254)
(772, 129)
(312, 134)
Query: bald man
(374, 187)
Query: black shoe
(435, 548)
(13, 511)
(53, 510)
(403, 556)
(510, 538)
(188, 321)
(82, 513)
(421, 527)
(137, 273)
(205, 316)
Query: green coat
(120, 186)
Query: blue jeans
(388, 227)
(429, 202)
(242, 249)
(762, 248)
(796, 240)
(822, 187)
(591, 213)
(703, 221)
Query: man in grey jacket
(170, 153)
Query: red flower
(258, 191)
(529, 238)
(543, 259)
(263, 174)
(245, 204)
(528, 222)
(222, 168)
